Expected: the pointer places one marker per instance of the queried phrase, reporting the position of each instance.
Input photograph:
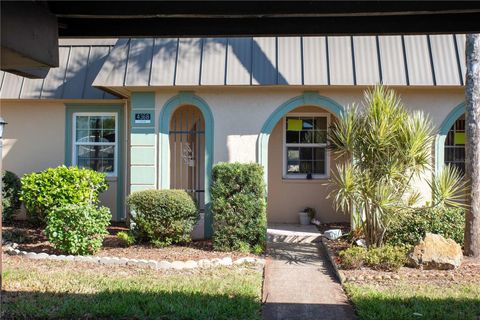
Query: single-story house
(159, 113)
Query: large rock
(436, 252)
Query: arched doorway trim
(306, 99)
(187, 98)
(442, 134)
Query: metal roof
(408, 60)
(80, 62)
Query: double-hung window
(305, 146)
(455, 145)
(95, 141)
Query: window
(305, 147)
(455, 145)
(95, 141)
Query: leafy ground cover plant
(390, 147)
(55, 187)
(10, 195)
(238, 206)
(77, 228)
(387, 257)
(163, 217)
(127, 237)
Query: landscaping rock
(105, 260)
(204, 263)
(190, 264)
(164, 265)
(333, 234)
(244, 260)
(152, 264)
(178, 265)
(436, 252)
(227, 261)
(215, 262)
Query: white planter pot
(303, 217)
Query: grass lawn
(48, 289)
(416, 301)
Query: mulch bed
(469, 271)
(31, 238)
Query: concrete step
(293, 233)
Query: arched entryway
(293, 150)
(450, 141)
(186, 150)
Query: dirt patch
(32, 238)
(469, 271)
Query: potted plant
(306, 215)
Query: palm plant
(389, 148)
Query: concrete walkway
(299, 284)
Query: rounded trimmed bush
(163, 217)
(77, 228)
(10, 195)
(55, 187)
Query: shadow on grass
(127, 305)
(382, 308)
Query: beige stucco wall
(240, 112)
(34, 140)
(287, 197)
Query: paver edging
(105, 260)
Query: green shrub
(238, 206)
(127, 237)
(163, 217)
(409, 228)
(55, 187)
(10, 195)
(388, 258)
(352, 258)
(77, 228)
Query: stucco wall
(34, 140)
(287, 197)
(239, 114)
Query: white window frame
(303, 176)
(75, 143)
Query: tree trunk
(472, 121)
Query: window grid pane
(95, 142)
(454, 151)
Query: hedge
(238, 207)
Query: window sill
(111, 179)
(311, 181)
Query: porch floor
(292, 233)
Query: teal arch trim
(188, 98)
(306, 99)
(442, 135)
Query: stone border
(158, 265)
(331, 258)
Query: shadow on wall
(262, 69)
